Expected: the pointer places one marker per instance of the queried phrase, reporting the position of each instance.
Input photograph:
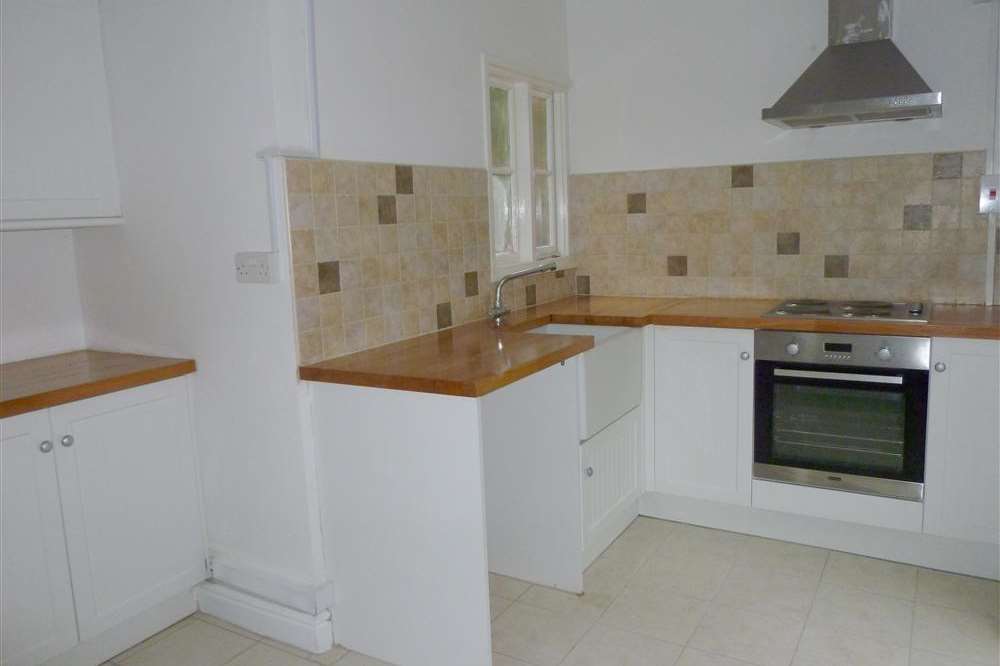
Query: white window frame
(524, 87)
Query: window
(525, 156)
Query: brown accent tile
(741, 176)
(404, 179)
(329, 276)
(836, 265)
(947, 165)
(530, 295)
(386, 209)
(443, 315)
(917, 217)
(788, 242)
(472, 283)
(636, 202)
(677, 265)
(560, 274)
(583, 285)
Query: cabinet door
(131, 505)
(962, 474)
(703, 412)
(37, 618)
(58, 159)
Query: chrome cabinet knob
(45, 446)
(940, 367)
(745, 356)
(67, 441)
(884, 354)
(589, 471)
(792, 348)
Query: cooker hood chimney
(861, 77)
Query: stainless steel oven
(847, 412)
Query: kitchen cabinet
(962, 471)
(101, 516)
(58, 166)
(703, 412)
(38, 619)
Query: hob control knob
(792, 348)
(884, 354)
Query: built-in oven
(847, 412)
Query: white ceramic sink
(610, 382)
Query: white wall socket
(989, 194)
(259, 267)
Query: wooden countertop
(48, 381)
(475, 359)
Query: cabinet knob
(589, 471)
(45, 446)
(67, 441)
(940, 367)
(745, 356)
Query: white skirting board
(312, 633)
(136, 629)
(975, 559)
(265, 584)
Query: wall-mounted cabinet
(58, 164)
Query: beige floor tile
(692, 657)
(843, 613)
(782, 556)
(211, 619)
(631, 550)
(925, 658)
(755, 588)
(498, 605)
(154, 638)
(865, 573)
(565, 602)
(504, 660)
(265, 655)
(505, 586)
(767, 638)
(604, 580)
(603, 646)
(357, 659)
(821, 648)
(701, 578)
(938, 588)
(196, 644)
(663, 615)
(326, 658)
(537, 635)
(687, 542)
(957, 633)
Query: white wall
(402, 81)
(681, 83)
(39, 297)
(191, 106)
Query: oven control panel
(872, 351)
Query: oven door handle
(839, 376)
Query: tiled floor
(671, 594)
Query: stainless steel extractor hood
(861, 77)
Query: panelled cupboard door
(962, 473)
(703, 412)
(37, 620)
(131, 506)
(57, 156)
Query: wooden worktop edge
(61, 396)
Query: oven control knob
(884, 354)
(792, 348)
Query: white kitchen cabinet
(58, 166)
(962, 473)
(703, 412)
(101, 523)
(611, 464)
(37, 613)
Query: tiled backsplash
(383, 252)
(901, 227)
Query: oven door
(854, 429)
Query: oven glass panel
(839, 428)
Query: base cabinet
(101, 517)
(703, 413)
(962, 473)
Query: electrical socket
(989, 194)
(256, 267)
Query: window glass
(500, 127)
(504, 240)
(540, 132)
(543, 210)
